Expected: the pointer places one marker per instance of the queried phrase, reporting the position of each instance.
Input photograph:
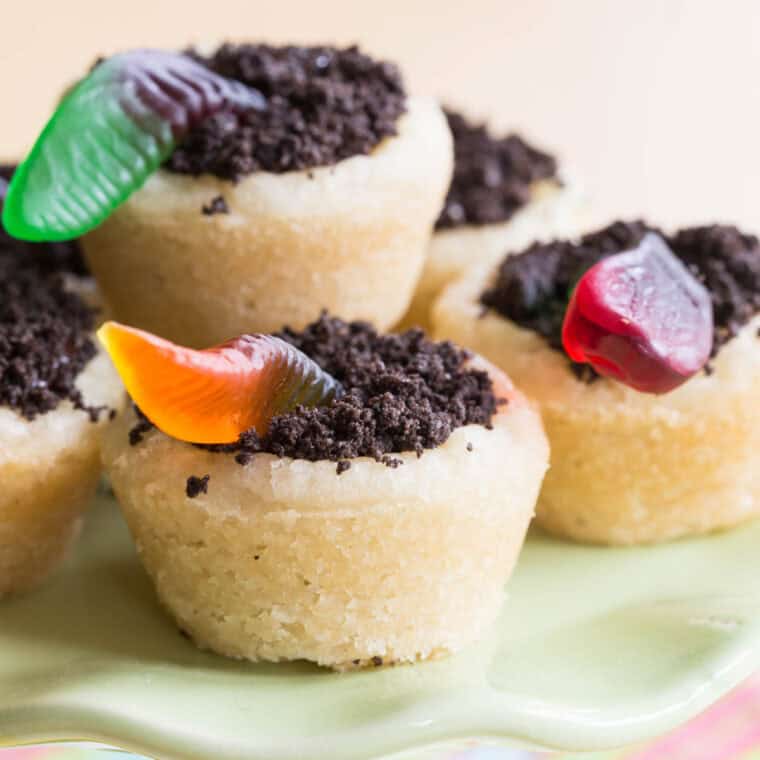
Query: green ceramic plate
(595, 648)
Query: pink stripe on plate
(696, 735)
(738, 743)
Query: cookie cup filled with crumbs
(56, 393)
(629, 467)
(373, 559)
(50, 468)
(325, 200)
(505, 194)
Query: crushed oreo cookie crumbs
(45, 329)
(196, 486)
(492, 176)
(727, 262)
(217, 205)
(140, 428)
(533, 288)
(323, 105)
(402, 393)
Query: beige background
(655, 104)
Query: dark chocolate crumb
(584, 372)
(256, 556)
(140, 428)
(196, 486)
(216, 205)
(136, 433)
(323, 105)
(727, 263)
(94, 412)
(355, 662)
(377, 661)
(533, 287)
(469, 447)
(342, 466)
(45, 329)
(402, 393)
(492, 175)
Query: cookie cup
(49, 468)
(350, 238)
(628, 467)
(284, 559)
(554, 210)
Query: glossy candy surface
(642, 318)
(214, 395)
(108, 135)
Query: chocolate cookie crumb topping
(196, 486)
(492, 176)
(402, 393)
(44, 329)
(323, 105)
(533, 288)
(141, 427)
(217, 205)
(727, 262)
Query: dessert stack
(306, 472)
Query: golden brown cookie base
(49, 469)
(284, 559)
(627, 467)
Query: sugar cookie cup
(350, 238)
(553, 210)
(49, 467)
(283, 559)
(627, 467)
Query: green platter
(595, 648)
